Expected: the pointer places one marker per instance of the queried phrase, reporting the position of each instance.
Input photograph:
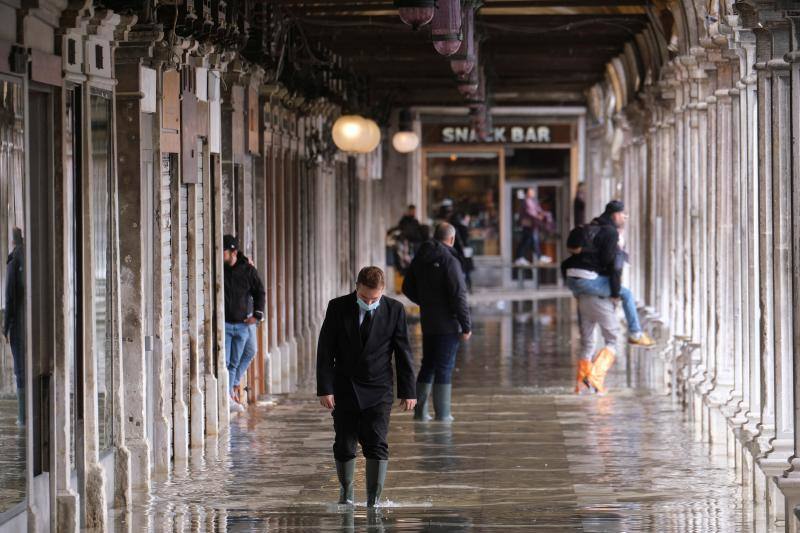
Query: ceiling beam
(382, 7)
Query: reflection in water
(523, 454)
(12, 296)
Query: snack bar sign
(514, 134)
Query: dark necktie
(366, 325)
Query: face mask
(367, 307)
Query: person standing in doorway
(360, 334)
(14, 318)
(461, 221)
(436, 283)
(249, 351)
(531, 220)
(579, 205)
(409, 227)
(241, 284)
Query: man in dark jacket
(435, 281)
(14, 319)
(360, 333)
(597, 267)
(241, 284)
(460, 221)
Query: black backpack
(583, 237)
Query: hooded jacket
(242, 283)
(435, 281)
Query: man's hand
(408, 405)
(466, 336)
(327, 401)
(615, 300)
(251, 320)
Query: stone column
(735, 406)
(273, 316)
(768, 465)
(180, 411)
(705, 375)
(749, 165)
(135, 125)
(786, 163)
(212, 252)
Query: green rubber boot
(376, 476)
(346, 472)
(21, 406)
(441, 402)
(421, 409)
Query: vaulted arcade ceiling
(534, 51)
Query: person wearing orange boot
(596, 311)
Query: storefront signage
(527, 134)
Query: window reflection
(467, 183)
(101, 184)
(12, 348)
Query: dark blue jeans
(438, 358)
(530, 240)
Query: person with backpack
(593, 311)
(596, 266)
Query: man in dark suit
(360, 333)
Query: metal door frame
(507, 216)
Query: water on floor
(12, 460)
(524, 454)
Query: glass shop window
(466, 183)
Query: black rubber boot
(376, 476)
(441, 402)
(346, 472)
(421, 409)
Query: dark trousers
(530, 240)
(16, 338)
(438, 358)
(368, 427)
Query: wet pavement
(12, 459)
(524, 454)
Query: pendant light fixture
(415, 13)
(348, 132)
(479, 94)
(446, 27)
(463, 61)
(468, 87)
(356, 134)
(405, 140)
(371, 138)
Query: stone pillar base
(67, 512)
(286, 354)
(139, 464)
(212, 405)
(293, 364)
(95, 498)
(198, 418)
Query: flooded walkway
(523, 455)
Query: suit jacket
(359, 376)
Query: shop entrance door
(552, 197)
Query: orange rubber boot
(582, 379)
(600, 365)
